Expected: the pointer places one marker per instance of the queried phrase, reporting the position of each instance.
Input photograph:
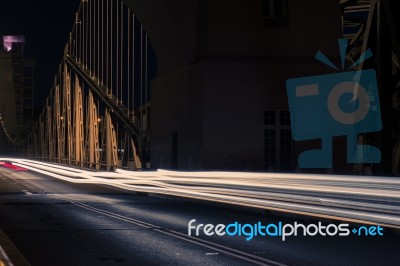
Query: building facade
(16, 84)
(219, 99)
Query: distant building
(16, 83)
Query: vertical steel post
(136, 159)
(58, 123)
(111, 143)
(94, 153)
(68, 118)
(78, 122)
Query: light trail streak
(354, 198)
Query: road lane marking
(27, 192)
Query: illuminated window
(274, 12)
(278, 143)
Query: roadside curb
(9, 253)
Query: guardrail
(364, 199)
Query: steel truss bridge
(370, 24)
(97, 113)
(96, 117)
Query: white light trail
(355, 198)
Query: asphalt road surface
(53, 222)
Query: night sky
(46, 25)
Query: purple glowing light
(8, 41)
